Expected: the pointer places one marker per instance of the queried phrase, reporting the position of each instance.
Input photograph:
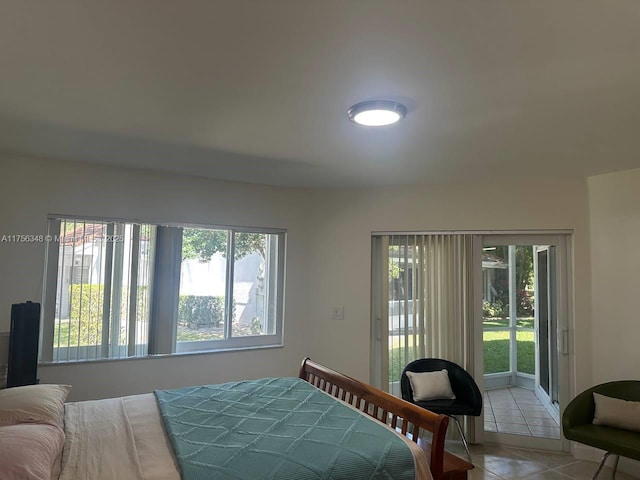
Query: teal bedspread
(277, 428)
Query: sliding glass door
(498, 305)
(547, 331)
(525, 311)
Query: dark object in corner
(23, 344)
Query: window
(117, 289)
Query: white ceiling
(257, 91)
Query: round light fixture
(377, 113)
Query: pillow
(430, 385)
(29, 451)
(615, 412)
(33, 404)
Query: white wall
(615, 283)
(345, 219)
(30, 189)
(614, 206)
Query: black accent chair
(468, 399)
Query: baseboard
(584, 452)
(522, 441)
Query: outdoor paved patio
(518, 411)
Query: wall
(328, 255)
(344, 220)
(614, 206)
(30, 189)
(615, 261)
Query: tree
(524, 267)
(202, 244)
(394, 262)
(523, 280)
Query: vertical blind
(423, 302)
(102, 305)
(114, 289)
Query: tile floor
(518, 411)
(495, 462)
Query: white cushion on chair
(615, 412)
(430, 385)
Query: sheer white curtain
(422, 302)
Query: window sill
(161, 355)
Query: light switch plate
(337, 313)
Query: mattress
(124, 438)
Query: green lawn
(73, 335)
(397, 363)
(496, 354)
(93, 335)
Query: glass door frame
(563, 287)
(553, 346)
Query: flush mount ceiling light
(377, 113)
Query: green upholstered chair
(578, 417)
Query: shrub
(85, 314)
(524, 303)
(195, 311)
(500, 309)
(256, 326)
(497, 309)
(86, 304)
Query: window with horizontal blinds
(117, 289)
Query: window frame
(171, 287)
(248, 341)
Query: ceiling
(257, 91)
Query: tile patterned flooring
(494, 462)
(518, 411)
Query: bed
(320, 425)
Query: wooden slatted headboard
(400, 415)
